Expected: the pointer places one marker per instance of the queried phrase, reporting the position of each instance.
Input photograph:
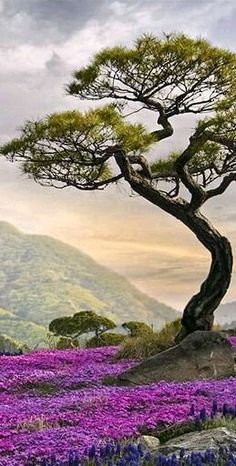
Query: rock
(149, 443)
(199, 441)
(201, 355)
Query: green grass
(165, 433)
(147, 345)
(39, 388)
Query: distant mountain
(42, 278)
(226, 313)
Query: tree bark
(199, 312)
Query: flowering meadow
(54, 401)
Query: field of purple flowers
(54, 401)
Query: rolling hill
(22, 330)
(42, 278)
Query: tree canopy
(137, 329)
(171, 75)
(79, 324)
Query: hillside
(42, 278)
(22, 330)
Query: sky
(41, 43)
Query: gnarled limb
(199, 312)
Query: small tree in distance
(170, 76)
(79, 324)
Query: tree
(170, 76)
(79, 324)
(137, 329)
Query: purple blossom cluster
(54, 401)
(232, 340)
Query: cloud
(45, 21)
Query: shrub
(137, 329)
(81, 323)
(67, 343)
(10, 346)
(106, 339)
(150, 343)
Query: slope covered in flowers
(54, 401)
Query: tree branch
(142, 161)
(222, 187)
(223, 140)
(167, 130)
(143, 187)
(197, 192)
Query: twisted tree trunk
(199, 312)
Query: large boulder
(199, 441)
(201, 355)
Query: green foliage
(63, 326)
(222, 123)
(170, 432)
(150, 343)
(167, 432)
(67, 343)
(221, 421)
(176, 70)
(38, 388)
(137, 329)
(171, 73)
(105, 339)
(81, 323)
(77, 142)
(209, 155)
(166, 165)
(168, 333)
